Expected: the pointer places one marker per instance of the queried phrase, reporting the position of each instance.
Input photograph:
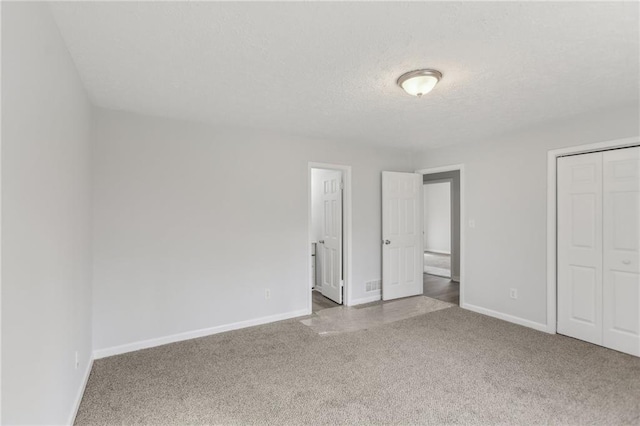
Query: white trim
(506, 317)
(439, 272)
(441, 169)
(159, 341)
(374, 298)
(552, 157)
(1, 236)
(598, 146)
(346, 229)
(437, 251)
(463, 216)
(76, 405)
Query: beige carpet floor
(445, 367)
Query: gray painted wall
(506, 197)
(46, 214)
(186, 269)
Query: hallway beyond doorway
(440, 288)
(437, 264)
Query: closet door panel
(621, 240)
(580, 247)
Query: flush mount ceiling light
(419, 82)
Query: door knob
(387, 242)
(626, 261)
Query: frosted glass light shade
(419, 82)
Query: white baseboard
(432, 270)
(438, 251)
(159, 341)
(373, 298)
(506, 317)
(76, 405)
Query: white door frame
(552, 256)
(346, 230)
(463, 216)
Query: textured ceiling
(329, 69)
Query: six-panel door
(598, 248)
(580, 247)
(621, 231)
(402, 256)
(331, 246)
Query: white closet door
(621, 217)
(580, 247)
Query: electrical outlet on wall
(513, 293)
(267, 294)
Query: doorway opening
(442, 233)
(329, 235)
(437, 229)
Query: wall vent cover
(374, 285)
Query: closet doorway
(598, 247)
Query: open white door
(330, 246)
(401, 235)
